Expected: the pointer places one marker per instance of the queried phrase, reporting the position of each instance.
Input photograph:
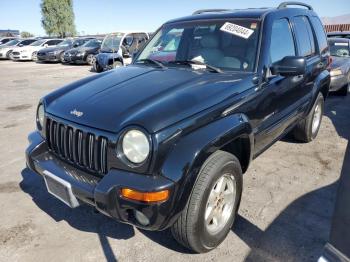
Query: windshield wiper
(196, 62)
(148, 60)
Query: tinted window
(27, 42)
(281, 33)
(306, 42)
(320, 34)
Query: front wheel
(117, 64)
(34, 56)
(9, 54)
(97, 68)
(213, 204)
(90, 59)
(62, 58)
(307, 129)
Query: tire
(62, 58)
(34, 57)
(344, 90)
(192, 229)
(8, 54)
(117, 64)
(97, 68)
(90, 59)
(307, 130)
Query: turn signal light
(145, 196)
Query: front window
(65, 43)
(111, 43)
(229, 45)
(93, 43)
(340, 49)
(38, 43)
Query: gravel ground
(285, 213)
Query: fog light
(141, 218)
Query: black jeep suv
(164, 142)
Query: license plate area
(60, 189)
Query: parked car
(164, 144)
(7, 49)
(117, 50)
(56, 54)
(29, 52)
(5, 40)
(343, 34)
(340, 66)
(84, 54)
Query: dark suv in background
(56, 54)
(161, 144)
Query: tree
(25, 34)
(58, 17)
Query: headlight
(40, 114)
(135, 146)
(336, 72)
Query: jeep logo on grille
(76, 113)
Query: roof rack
(210, 11)
(286, 4)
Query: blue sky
(104, 16)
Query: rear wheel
(213, 204)
(345, 89)
(307, 129)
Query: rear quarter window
(305, 38)
(320, 34)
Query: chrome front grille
(79, 147)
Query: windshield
(111, 43)
(12, 42)
(66, 42)
(228, 44)
(37, 43)
(340, 49)
(93, 43)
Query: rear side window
(320, 34)
(282, 43)
(305, 37)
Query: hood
(28, 47)
(54, 48)
(339, 61)
(143, 96)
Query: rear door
(308, 48)
(279, 95)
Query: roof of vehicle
(252, 13)
(339, 40)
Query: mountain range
(342, 19)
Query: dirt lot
(285, 212)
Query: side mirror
(20, 45)
(46, 45)
(75, 45)
(289, 66)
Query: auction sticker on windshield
(237, 30)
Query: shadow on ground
(83, 218)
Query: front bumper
(48, 58)
(21, 56)
(337, 82)
(77, 59)
(104, 192)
